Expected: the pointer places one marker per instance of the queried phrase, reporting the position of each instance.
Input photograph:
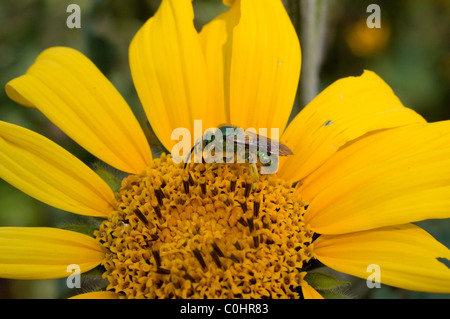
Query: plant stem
(310, 19)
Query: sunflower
(363, 169)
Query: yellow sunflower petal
(97, 295)
(72, 93)
(169, 70)
(47, 172)
(216, 40)
(408, 257)
(45, 253)
(310, 293)
(392, 177)
(346, 110)
(265, 65)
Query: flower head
(363, 169)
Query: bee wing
(274, 147)
(284, 150)
(262, 143)
(245, 138)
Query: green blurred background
(411, 52)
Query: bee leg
(254, 174)
(254, 171)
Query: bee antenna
(189, 156)
(192, 150)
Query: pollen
(205, 232)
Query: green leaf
(111, 178)
(97, 271)
(332, 294)
(321, 281)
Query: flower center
(204, 232)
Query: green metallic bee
(240, 145)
